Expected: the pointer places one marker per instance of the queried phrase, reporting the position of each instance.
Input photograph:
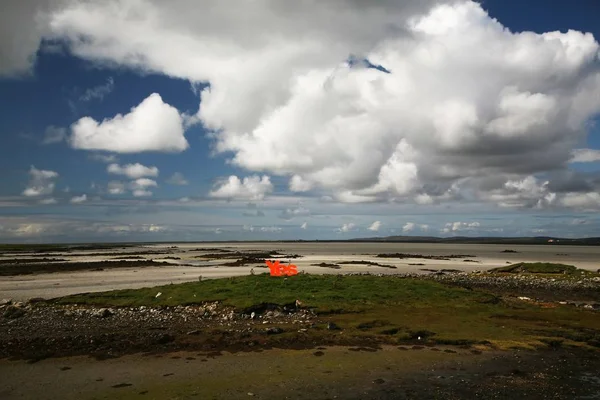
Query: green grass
(537, 268)
(369, 306)
(325, 293)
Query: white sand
(488, 256)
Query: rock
(252, 315)
(102, 313)
(158, 295)
(13, 312)
(379, 381)
(5, 302)
(194, 332)
(274, 331)
(250, 394)
(523, 298)
(332, 326)
(36, 300)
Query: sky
(144, 120)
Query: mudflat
(388, 372)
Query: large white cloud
(151, 126)
(467, 105)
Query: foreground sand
(323, 373)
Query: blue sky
(466, 119)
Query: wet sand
(23, 287)
(324, 373)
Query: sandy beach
(181, 255)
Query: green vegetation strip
(538, 268)
(394, 308)
(321, 292)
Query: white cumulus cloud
(249, 188)
(115, 187)
(151, 126)
(140, 187)
(132, 171)
(48, 201)
(345, 228)
(460, 226)
(79, 199)
(408, 227)
(375, 226)
(41, 182)
(458, 103)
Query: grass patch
(537, 268)
(393, 309)
(323, 293)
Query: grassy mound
(324, 293)
(537, 268)
(397, 309)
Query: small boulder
(274, 331)
(5, 302)
(102, 313)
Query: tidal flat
(123, 266)
(390, 321)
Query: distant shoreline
(540, 240)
